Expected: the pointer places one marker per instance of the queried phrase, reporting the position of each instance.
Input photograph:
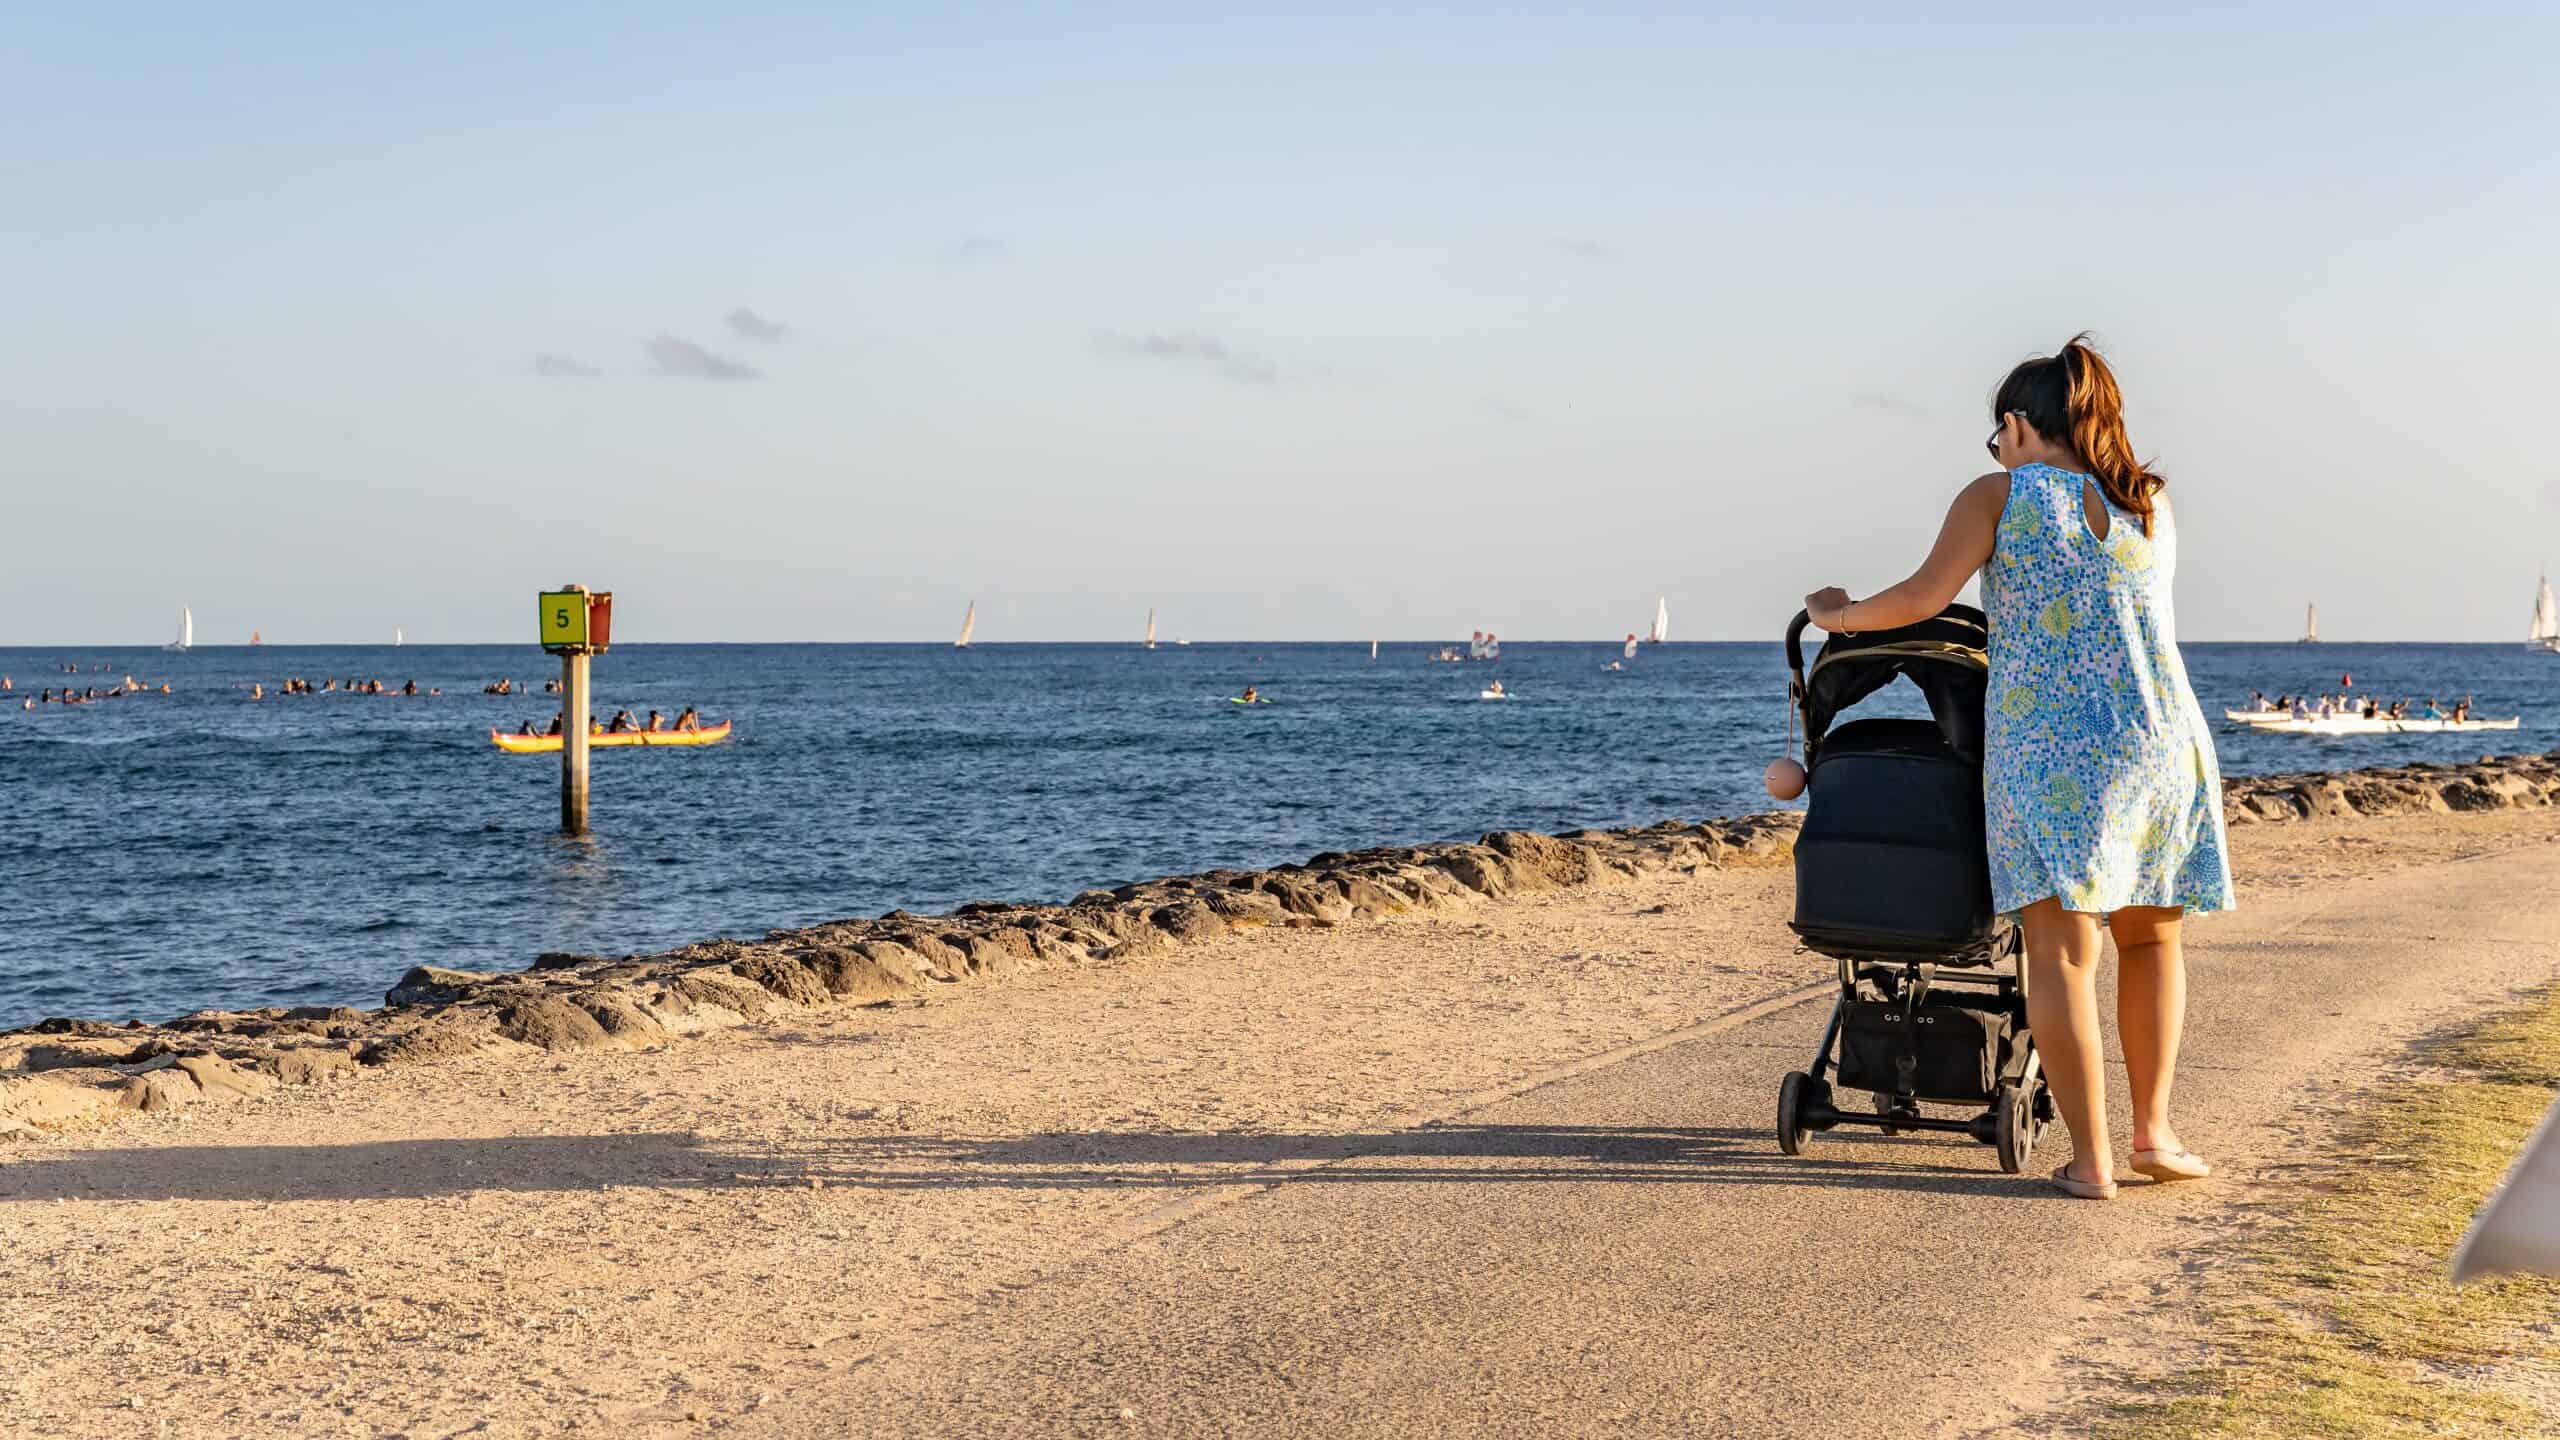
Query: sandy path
(775, 1228)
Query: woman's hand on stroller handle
(1828, 607)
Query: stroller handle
(1795, 643)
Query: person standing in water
(2103, 800)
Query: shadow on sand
(1438, 1154)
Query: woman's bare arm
(1964, 546)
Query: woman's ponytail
(2073, 398)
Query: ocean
(200, 849)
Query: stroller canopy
(1945, 656)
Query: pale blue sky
(1322, 327)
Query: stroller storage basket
(1952, 1054)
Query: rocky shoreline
(62, 1073)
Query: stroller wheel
(2014, 1121)
(1791, 1097)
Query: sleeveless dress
(2099, 781)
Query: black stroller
(1893, 882)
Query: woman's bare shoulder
(1986, 493)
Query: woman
(2102, 799)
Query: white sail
(1661, 619)
(968, 627)
(1373, 649)
(1630, 651)
(1475, 645)
(396, 637)
(186, 632)
(1492, 646)
(2310, 624)
(2546, 619)
(1151, 627)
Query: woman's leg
(2151, 1010)
(2062, 1010)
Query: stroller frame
(1989, 974)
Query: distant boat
(1630, 651)
(2545, 635)
(1373, 649)
(186, 640)
(256, 639)
(968, 627)
(1661, 619)
(1151, 627)
(2311, 625)
(396, 637)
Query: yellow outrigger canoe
(606, 739)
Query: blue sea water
(200, 849)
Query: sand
(691, 1236)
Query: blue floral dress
(2099, 782)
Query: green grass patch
(2338, 1321)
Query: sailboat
(396, 637)
(1661, 619)
(257, 639)
(186, 640)
(1630, 651)
(1373, 649)
(968, 627)
(2545, 635)
(2311, 625)
(1151, 627)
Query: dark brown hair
(2072, 397)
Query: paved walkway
(1623, 1252)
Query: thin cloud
(564, 367)
(1587, 249)
(969, 249)
(1888, 403)
(748, 325)
(674, 355)
(1195, 350)
(1504, 408)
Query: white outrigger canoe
(2379, 725)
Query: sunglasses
(1993, 444)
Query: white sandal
(2167, 1165)
(2083, 1189)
